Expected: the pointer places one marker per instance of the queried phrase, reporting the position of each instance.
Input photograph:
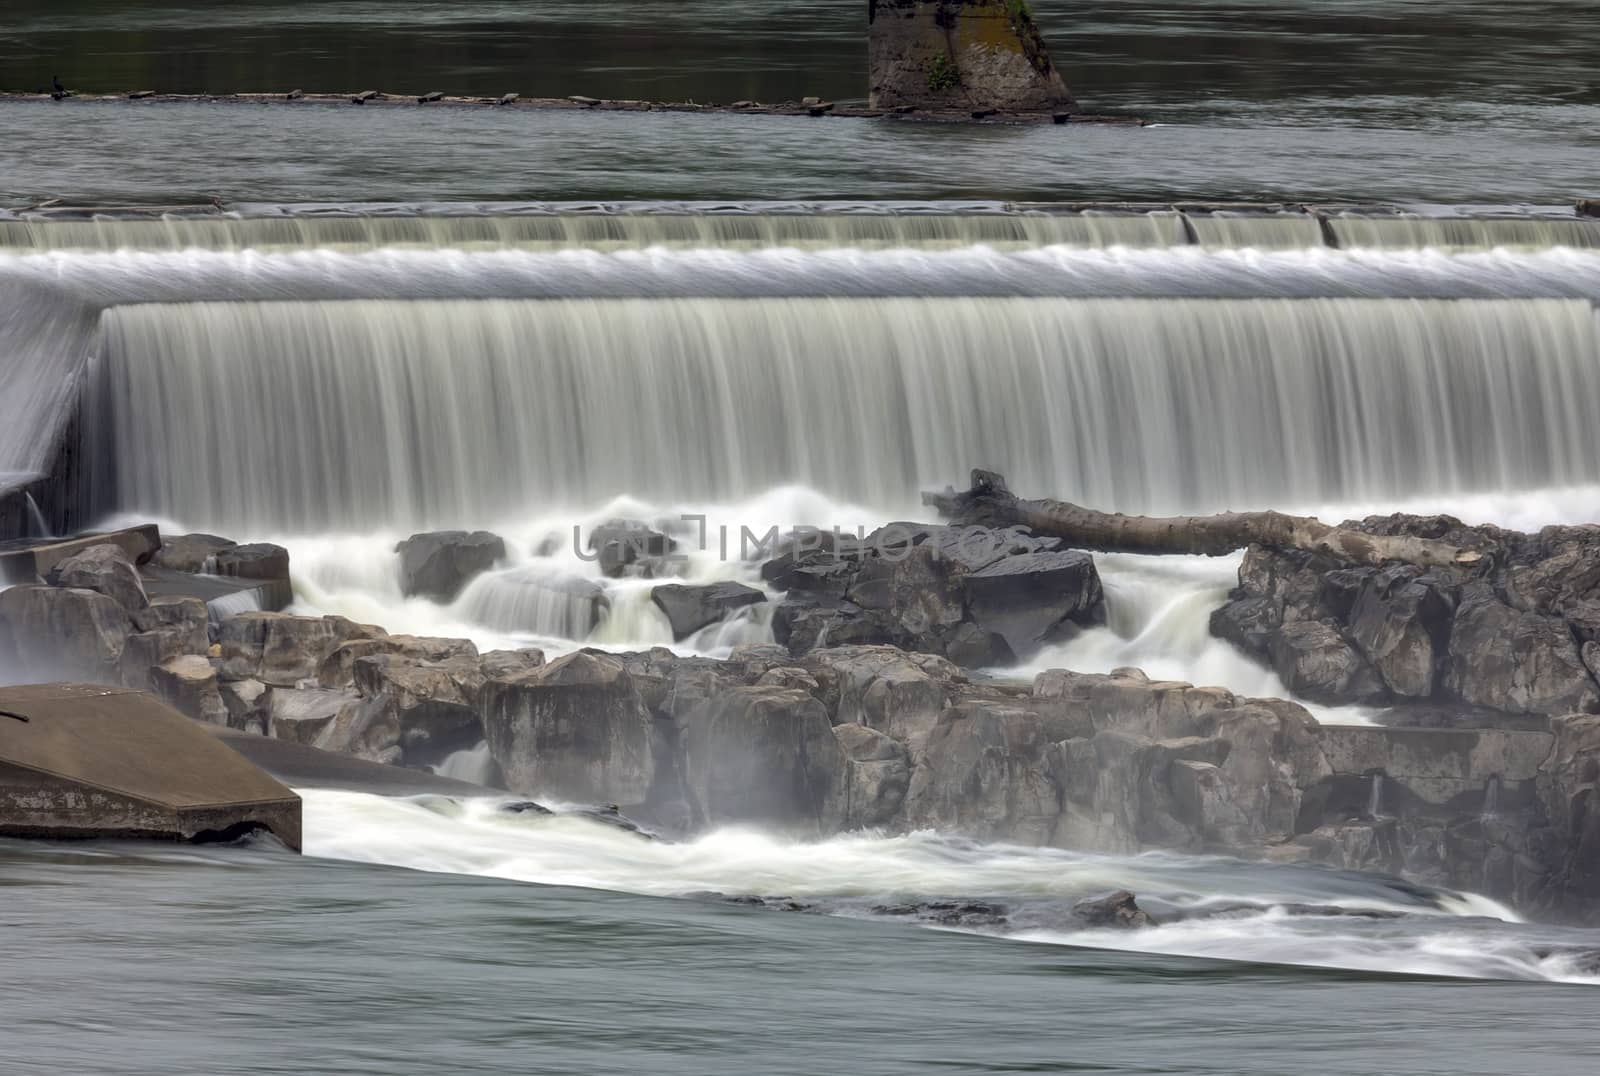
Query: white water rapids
(1215, 907)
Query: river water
(777, 322)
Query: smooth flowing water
(140, 960)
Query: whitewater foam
(1214, 907)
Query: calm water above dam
(1355, 100)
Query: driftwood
(990, 503)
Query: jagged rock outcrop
(1510, 633)
(575, 730)
(978, 596)
(282, 650)
(961, 56)
(438, 565)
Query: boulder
(1514, 661)
(690, 609)
(763, 756)
(979, 596)
(61, 632)
(190, 552)
(1035, 598)
(438, 565)
(618, 543)
(307, 716)
(1118, 911)
(104, 569)
(281, 650)
(189, 683)
(876, 775)
(576, 729)
(259, 561)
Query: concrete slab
(22, 560)
(86, 761)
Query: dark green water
(135, 960)
(1457, 101)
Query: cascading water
(427, 414)
(816, 226)
(334, 378)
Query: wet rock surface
(690, 609)
(1508, 635)
(977, 596)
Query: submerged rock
(949, 913)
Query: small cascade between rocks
(38, 527)
(1491, 798)
(1375, 797)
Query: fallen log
(991, 503)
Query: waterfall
(758, 225)
(37, 524)
(295, 417)
(545, 230)
(1465, 233)
(1375, 798)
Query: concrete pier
(81, 761)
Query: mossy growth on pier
(961, 56)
